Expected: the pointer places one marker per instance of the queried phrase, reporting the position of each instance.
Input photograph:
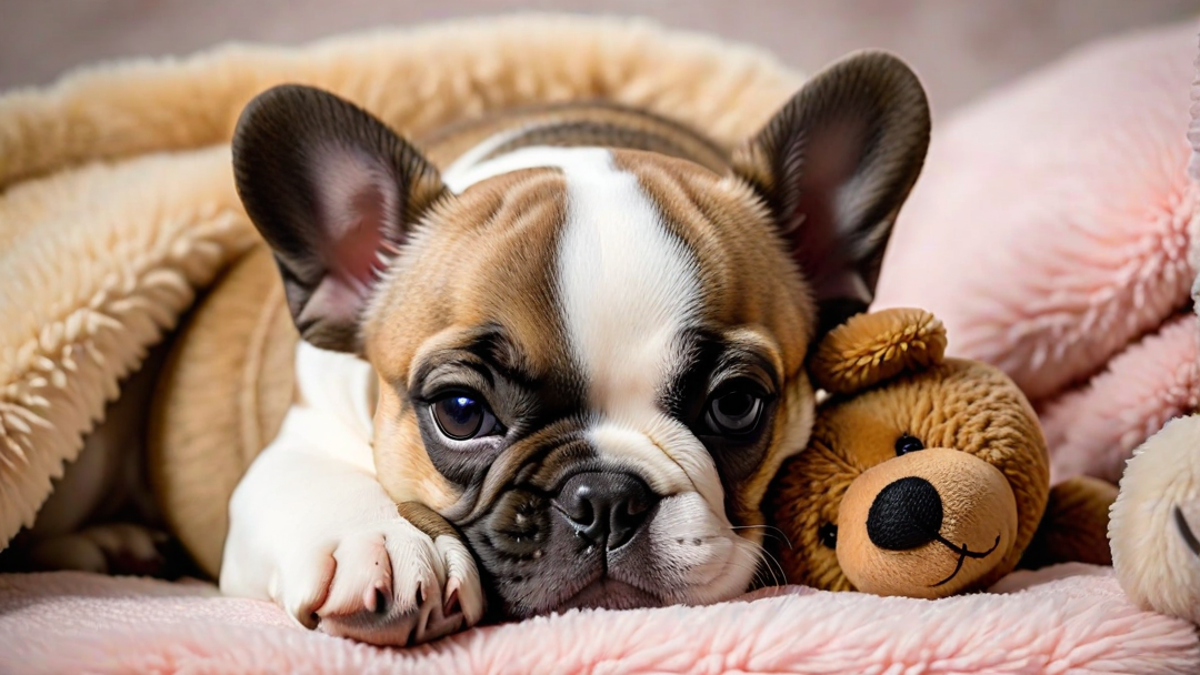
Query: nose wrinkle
(680, 462)
(628, 445)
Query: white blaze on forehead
(468, 169)
(626, 285)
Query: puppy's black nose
(606, 508)
(905, 515)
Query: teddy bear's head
(924, 476)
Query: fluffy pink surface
(1050, 232)
(1095, 428)
(1070, 619)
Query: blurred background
(960, 47)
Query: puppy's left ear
(835, 165)
(335, 193)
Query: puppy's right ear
(834, 165)
(335, 193)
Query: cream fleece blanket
(118, 202)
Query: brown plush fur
(964, 406)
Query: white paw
(386, 583)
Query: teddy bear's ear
(870, 348)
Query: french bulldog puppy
(553, 359)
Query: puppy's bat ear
(335, 193)
(834, 166)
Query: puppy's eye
(828, 535)
(906, 444)
(462, 416)
(735, 410)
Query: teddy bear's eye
(906, 444)
(828, 535)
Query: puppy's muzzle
(607, 509)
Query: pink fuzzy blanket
(1069, 619)
(1055, 232)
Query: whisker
(755, 571)
(782, 535)
(774, 564)
(771, 566)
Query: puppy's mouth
(545, 561)
(608, 593)
(963, 552)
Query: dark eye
(828, 535)
(735, 411)
(463, 415)
(906, 444)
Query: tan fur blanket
(118, 207)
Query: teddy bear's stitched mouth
(963, 552)
(1185, 531)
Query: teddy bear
(924, 476)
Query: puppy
(553, 359)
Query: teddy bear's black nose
(905, 515)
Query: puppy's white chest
(336, 392)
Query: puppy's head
(592, 364)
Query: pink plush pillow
(1050, 232)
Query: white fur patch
(467, 170)
(627, 287)
(337, 385)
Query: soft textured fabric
(117, 207)
(1071, 619)
(1159, 498)
(117, 201)
(1050, 232)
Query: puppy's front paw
(388, 583)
